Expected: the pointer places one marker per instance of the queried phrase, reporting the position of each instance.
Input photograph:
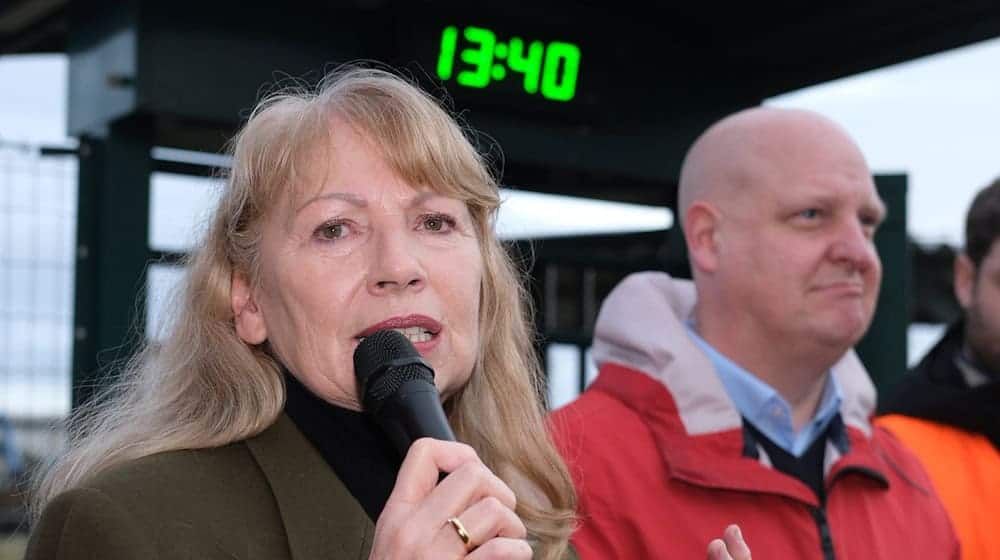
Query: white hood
(641, 326)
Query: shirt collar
(767, 410)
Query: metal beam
(112, 250)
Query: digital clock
(550, 69)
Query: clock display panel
(475, 57)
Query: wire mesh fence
(38, 190)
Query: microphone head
(384, 361)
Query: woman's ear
(247, 315)
(700, 231)
(965, 279)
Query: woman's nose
(395, 265)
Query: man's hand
(730, 547)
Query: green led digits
(446, 56)
(562, 61)
(481, 57)
(528, 63)
(552, 69)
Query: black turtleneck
(350, 442)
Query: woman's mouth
(414, 334)
(418, 329)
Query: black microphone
(397, 390)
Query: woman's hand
(730, 547)
(415, 521)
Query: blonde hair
(203, 387)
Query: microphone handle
(412, 412)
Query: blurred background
(113, 117)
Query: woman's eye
(437, 223)
(810, 213)
(331, 232)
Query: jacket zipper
(823, 526)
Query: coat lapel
(322, 519)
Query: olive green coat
(270, 497)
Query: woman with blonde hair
(352, 209)
(357, 207)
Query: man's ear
(247, 315)
(965, 279)
(701, 223)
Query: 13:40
(551, 69)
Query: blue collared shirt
(768, 411)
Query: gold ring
(462, 533)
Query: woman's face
(363, 251)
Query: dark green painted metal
(113, 216)
(883, 348)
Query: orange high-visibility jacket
(965, 470)
(955, 431)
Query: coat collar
(640, 326)
(322, 519)
(936, 391)
(648, 361)
(718, 459)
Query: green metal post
(883, 348)
(112, 249)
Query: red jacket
(659, 459)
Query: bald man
(738, 398)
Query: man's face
(798, 249)
(982, 311)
